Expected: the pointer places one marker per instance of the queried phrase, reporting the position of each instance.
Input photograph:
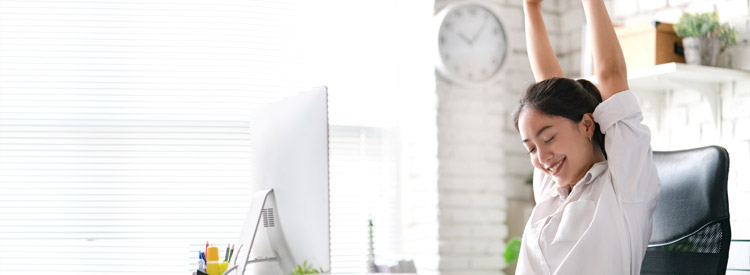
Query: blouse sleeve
(628, 145)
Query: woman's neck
(596, 156)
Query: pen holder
(209, 263)
(222, 267)
(213, 266)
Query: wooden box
(649, 44)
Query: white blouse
(603, 225)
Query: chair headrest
(693, 191)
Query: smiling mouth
(555, 168)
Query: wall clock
(472, 44)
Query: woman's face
(558, 146)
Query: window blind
(124, 127)
(124, 132)
(364, 186)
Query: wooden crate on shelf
(649, 44)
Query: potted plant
(703, 37)
(306, 268)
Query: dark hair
(563, 97)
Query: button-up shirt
(602, 225)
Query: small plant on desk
(306, 268)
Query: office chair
(691, 230)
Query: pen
(231, 252)
(201, 263)
(226, 255)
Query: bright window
(124, 124)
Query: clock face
(471, 43)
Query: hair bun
(591, 88)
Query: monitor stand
(241, 259)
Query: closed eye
(532, 150)
(550, 139)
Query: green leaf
(306, 268)
(512, 250)
(705, 25)
(530, 179)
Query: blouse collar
(594, 172)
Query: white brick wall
(472, 202)
(732, 8)
(623, 9)
(652, 4)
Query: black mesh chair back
(691, 230)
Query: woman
(595, 183)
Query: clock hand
(468, 41)
(476, 35)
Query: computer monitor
(288, 221)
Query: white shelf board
(651, 82)
(663, 77)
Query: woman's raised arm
(609, 62)
(543, 61)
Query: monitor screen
(290, 156)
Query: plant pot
(736, 57)
(701, 50)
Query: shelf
(653, 82)
(668, 76)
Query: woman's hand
(534, 2)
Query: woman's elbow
(611, 73)
(611, 83)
